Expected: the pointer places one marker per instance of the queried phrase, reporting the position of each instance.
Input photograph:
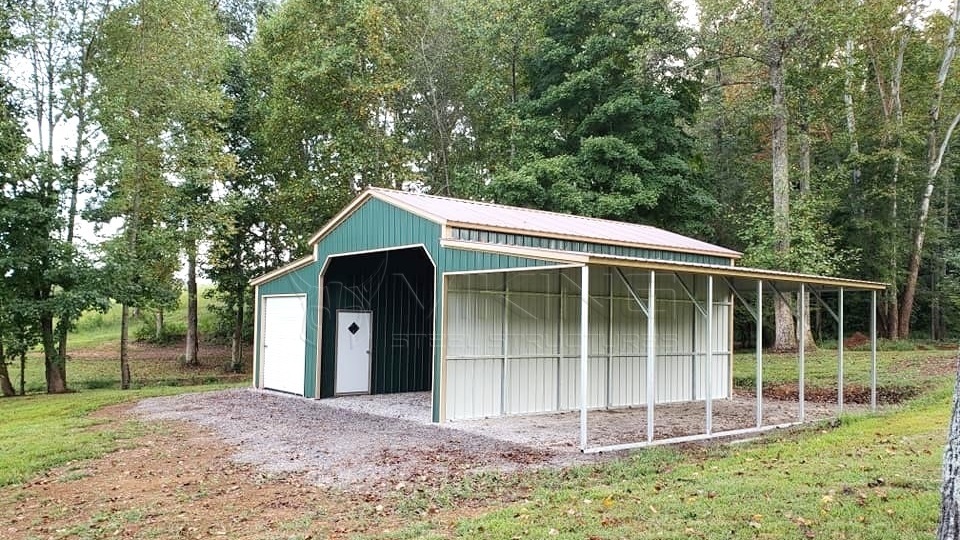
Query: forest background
(143, 138)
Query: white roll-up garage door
(284, 342)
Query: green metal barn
(498, 310)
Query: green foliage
(160, 102)
(171, 332)
(329, 75)
(814, 243)
(603, 128)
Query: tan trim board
(285, 269)
(731, 254)
(738, 272)
(339, 217)
(514, 270)
(385, 196)
(668, 266)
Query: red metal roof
(489, 216)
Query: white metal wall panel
(283, 342)
(570, 383)
(475, 324)
(514, 342)
(474, 388)
(532, 325)
(628, 377)
(531, 385)
(674, 378)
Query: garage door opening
(387, 299)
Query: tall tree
(938, 142)
(159, 69)
(56, 40)
(331, 77)
(603, 129)
(15, 335)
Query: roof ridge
(500, 205)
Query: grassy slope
(871, 477)
(40, 431)
(894, 368)
(94, 348)
(95, 329)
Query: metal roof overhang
(742, 279)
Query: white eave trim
(358, 201)
(663, 265)
(273, 274)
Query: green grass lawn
(875, 477)
(870, 477)
(42, 431)
(911, 369)
(94, 328)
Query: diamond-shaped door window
(353, 328)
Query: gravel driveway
(373, 442)
(334, 445)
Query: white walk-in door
(284, 342)
(354, 335)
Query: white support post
(802, 331)
(651, 352)
(759, 353)
(708, 369)
(840, 353)
(584, 351)
(873, 351)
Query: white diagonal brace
(633, 294)
(746, 304)
(836, 318)
(690, 295)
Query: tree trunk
(851, 117)
(785, 338)
(949, 528)
(236, 349)
(124, 345)
(55, 372)
(785, 335)
(936, 148)
(23, 373)
(158, 325)
(6, 386)
(193, 343)
(805, 159)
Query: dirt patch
(180, 482)
(857, 339)
(852, 393)
(245, 464)
(139, 350)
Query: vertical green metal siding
(376, 225)
(488, 237)
(300, 281)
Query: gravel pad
(334, 445)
